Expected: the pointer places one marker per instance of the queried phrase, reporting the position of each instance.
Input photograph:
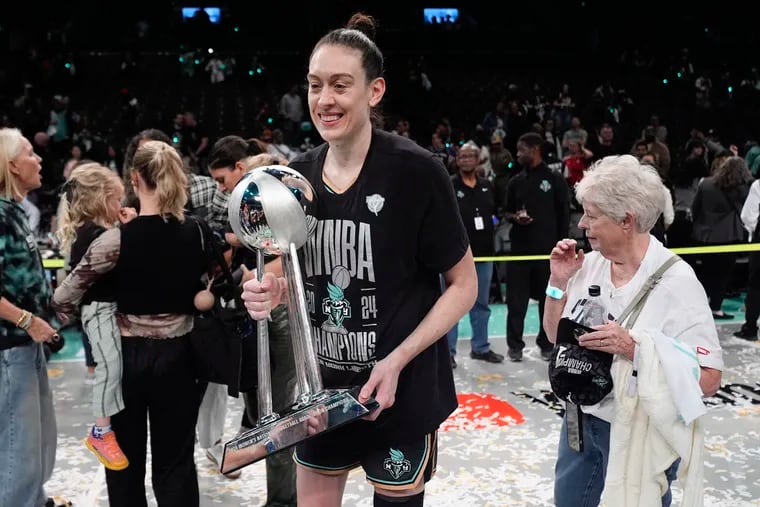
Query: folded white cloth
(648, 434)
(681, 368)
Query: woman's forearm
(100, 258)
(709, 380)
(553, 309)
(9, 311)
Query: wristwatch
(554, 292)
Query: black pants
(715, 273)
(525, 280)
(159, 387)
(753, 293)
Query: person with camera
(622, 199)
(27, 419)
(230, 159)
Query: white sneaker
(214, 455)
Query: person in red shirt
(577, 160)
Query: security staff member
(477, 206)
(538, 204)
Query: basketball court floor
(497, 449)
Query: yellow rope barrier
(689, 250)
(53, 263)
(56, 263)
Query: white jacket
(648, 433)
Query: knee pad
(381, 500)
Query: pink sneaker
(107, 450)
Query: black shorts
(397, 466)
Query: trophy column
(267, 214)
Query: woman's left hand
(382, 382)
(610, 338)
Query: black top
(717, 213)
(372, 273)
(104, 288)
(545, 196)
(160, 266)
(477, 206)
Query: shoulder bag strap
(633, 310)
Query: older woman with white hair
(633, 441)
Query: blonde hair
(162, 170)
(10, 147)
(85, 199)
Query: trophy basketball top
(267, 209)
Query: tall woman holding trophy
(387, 225)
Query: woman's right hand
(232, 239)
(127, 214)
(261, 296)
(41, 331)
(564, 262)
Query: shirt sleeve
(443, 238)
(100, 258)
(668, 215)
(751, 208)
(509, 204)
(562, 193)
(698, 332)
(696, 204)
(218, 217)
(202, 190)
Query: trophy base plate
(327, 410)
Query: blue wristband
(554, 292)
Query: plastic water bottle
(594, 312)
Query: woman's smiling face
(340, 99)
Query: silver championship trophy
(267, 214)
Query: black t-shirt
(545, 196)
(372, 271)
(477, 206)
(191, 139)
(168, 255)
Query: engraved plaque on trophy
(267, 214)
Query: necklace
(336, 188)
